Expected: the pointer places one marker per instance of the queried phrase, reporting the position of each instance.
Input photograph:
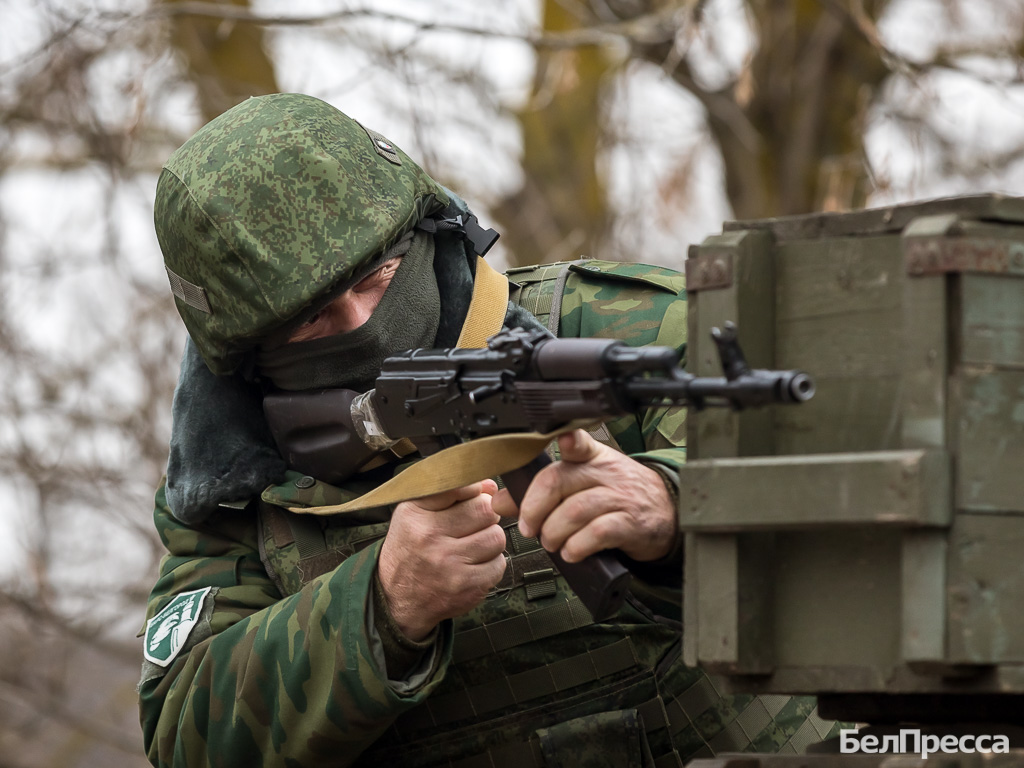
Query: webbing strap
(555, 316)
(311, 545)
(488, 639)
(525, 569)
(520, 544)
(546, 680)
(309, 537)
(540, 583)
(487, 307)
(454, 467)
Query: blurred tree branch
(224, 52)
(53, 707)
(643, 27)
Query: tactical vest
(534, 682)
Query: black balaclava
(406, 318)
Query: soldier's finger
(573, 514)
(578, 447)
(482, 546)
(604, 532)
(547, 490)
(445, 499)
(465, 518)
(495, 569)
(503, 504)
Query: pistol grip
(600, 581)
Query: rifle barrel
(757, 388)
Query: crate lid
(875, 221)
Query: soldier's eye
(313, 320)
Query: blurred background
(621, 129)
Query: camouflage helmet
(272, 205)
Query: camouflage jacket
(270, 657)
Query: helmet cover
(273, 205)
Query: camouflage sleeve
(261, 680)
(641, 305)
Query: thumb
(578, 446)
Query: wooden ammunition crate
(873, 538)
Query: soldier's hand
(595, 498)
(441, 556)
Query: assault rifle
(523, 381)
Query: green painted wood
(923, 400)
(846, 415)
(691, 600)
(923, 596)
(871, 489)
(734, 617)
(859, 344)
(844, 276)
(839, 307)
(749, 303)
(986, 589)
(992, 320)
(889, 219)
(839, 318)
(837, 601)
(990, 439)
(717, 561)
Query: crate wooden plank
(992, 320)
(734, 617)
(749, 302)
(852, 275)
(861, 344)
(717, 559)
(872, 489)
(692, 589)
(990, 438)
(837, 601)
(839, 310)
(986, 589)
(923, 399)
(889, 219)
(846, 415)
(923, 590)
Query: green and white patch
(167, 632)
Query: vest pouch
(601, 740)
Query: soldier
(302, 250)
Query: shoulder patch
(167, 632)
